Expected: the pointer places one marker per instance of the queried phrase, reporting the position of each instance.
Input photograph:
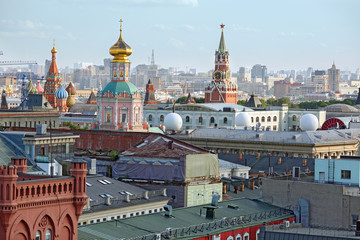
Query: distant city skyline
(185, 33)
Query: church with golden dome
(120, 103)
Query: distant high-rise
(258, 73)
(334, 78)
(244, 74)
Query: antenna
(152, 58)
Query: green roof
(242, 213)
(119, 87)
(156, 130)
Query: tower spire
(152, 58)
(222, 47)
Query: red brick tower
(221, 89)
(53, 80)
(150, 94)
(40, 206)
(79, 170)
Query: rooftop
(183, 222)
(304, 137)
(99, 187)
(155, 146)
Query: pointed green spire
(222, 47)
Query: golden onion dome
(53, 50)
(120, 50)
(70, 101)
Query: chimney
(20, 163)
(251, 185)
(146, 195)
(171, 145)
(92, 170)
(127, 198)
(108, 201)
(242, 186)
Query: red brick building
(40, 207)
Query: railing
(217, 224)
(52, 188)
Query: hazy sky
(284, 34)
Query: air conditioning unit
(158, 236)
(286, 224)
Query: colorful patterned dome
(70, 102)
(61, 93)
(71, 89)
(31, 88)
(39, 88)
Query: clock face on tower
(217, 75)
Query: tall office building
(258, 73)
(244, 74)
(334, 78)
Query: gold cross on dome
(121, 24)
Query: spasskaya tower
(221, 89)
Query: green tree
(113, 155)
(241, 102)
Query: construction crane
(3, 63)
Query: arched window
(161, 118)
(262, 119)
(212, 120)
(48, 234)
(37, 236)
(230, 238)
(257, 234)
(257, 119)
(150, 118)
(294, 117)
(246, 236)
(187, 119)
(274, 119)
(238, 236)
(225, 120)
(269, 119)
(252, 119)
(200, 119)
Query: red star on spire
(222, 25)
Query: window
(212, 120)
(150, 118)
(269, 119)
(246, 236)
(48, 234)
(262, 119)
(257, 234)
(257, 119)
(345, 174)
(187, 119)
(37, 237)
(115, 73)
(123, 117)
(225, 120)
(230, 238)
(238, 237)
(108, 117)
(252, 119)
(274, 128)
(200, 119)
(354, 219)
(161, 118)
(274, 119)
(294, 117)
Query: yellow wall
(202, 194)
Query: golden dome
(120, 50)
(70, 101)
(53, 50)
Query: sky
(288, 34)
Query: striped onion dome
(61, 93)
(71, 89)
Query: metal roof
(184, 221)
